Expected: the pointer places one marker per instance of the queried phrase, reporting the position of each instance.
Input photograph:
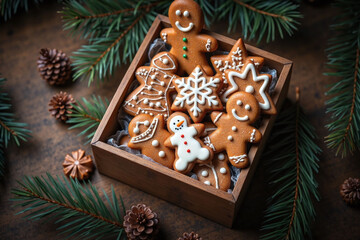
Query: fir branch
(9, 128)
(80, 208)
(344, 93)
(293, 162)
(88, 115)
(10, 7)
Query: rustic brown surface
(22, 38)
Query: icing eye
(165, 61)
(178, 12)
(186, 14)
(178, 120)
(174, 123)
(239, 102)
(247, 107)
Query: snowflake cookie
(156, 83)
(148, 134)
(187, 44)
(234, 129)
(197, 94)
(189, 149)
(249, 80)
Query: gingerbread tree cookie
(188, 45)
(189, 149)
(148, 134)
(249, 80)
(197, 94)
(156, 83)
(234, 129)
(216, 173)
(234, 60)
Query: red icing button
(185, 142)
(182, 136)
(188, 150)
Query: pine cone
(60, 106)
(141, 223)
(350, 191)
(78, 165)
(190, 236)
(54, 66)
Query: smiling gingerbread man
(188, 45)
(234, 129)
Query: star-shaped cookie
(249, 80)
(197, 94)
(234, 60)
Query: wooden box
(168, 184)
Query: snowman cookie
(188, 45)
(156, 84)
(148, 135)
(189, 149)
(216, 173)
(234, 129)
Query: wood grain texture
(22, 37)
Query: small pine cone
(190, 236)
(141, 223)
(54, 66)
(350, 191)
(60, 106)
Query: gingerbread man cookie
(234, 129)
(187, 44)
(148, 134)
(197, 94)
(216, 173)
(249, 80)
(156, 83)
(234, 60)
(189, 149)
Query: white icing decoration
(155, 143)
(247, 107)
(151, 104)
(146, 123)
(223, 170)
(252, 137)
(262, 77)
(207, 183)
(218, 117)
(186, 14)
(165, 61)
(161, 154)
(239, 102)
(208, 143)
(148, 134)
(135, 97)
(158, 104)
(196, 91)
(164, 57)
(230, 138)
(238, 159)
(234, 128)
(146, 101)
(221, 156)
(244, 118)
(164, 36)
(249, 89)
(214, 173)
(184, 29)
(178, 13)
(208, 45)
(183, 132)
(204, 173)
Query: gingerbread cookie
(216, 173)
(187, 44)
(249, 80)
(156, 83)
(148, 134)
(234, 60)
(189, 149)
(234, 129)
(197, 94)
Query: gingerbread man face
(186, 16)
(148, 134)
(165, 61)
(243, 108)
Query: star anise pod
(78, 165)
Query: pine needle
(344, 92)
(79, 208)
(10, 7)
(87, 115)
(292, 162)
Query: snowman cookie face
(243, 108)
(186, 16)
(177, 123)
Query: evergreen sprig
(9, 128)
(79, 208)
(115, 29)
(292, 162)
(2, 160)
(344, 94)
(87, 115)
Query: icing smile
(184, 29)
(179, 127)
(244, 118)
